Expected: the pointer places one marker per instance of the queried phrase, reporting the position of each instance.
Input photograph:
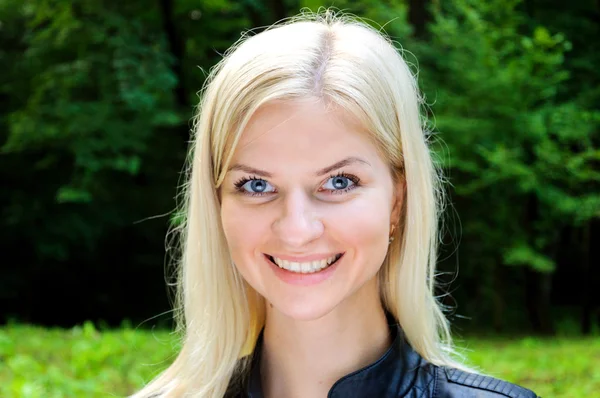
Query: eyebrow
(326, 170)
(342, 163)
(250, 170)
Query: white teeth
(318, 264)
(307, 267)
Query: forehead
(309, 133)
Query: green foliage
(97, 97)
(85, 362)
(100, 85)
(512, 143)
(89, 88)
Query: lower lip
(298, 279)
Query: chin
(302, 310)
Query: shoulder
(454, 383)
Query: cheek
(363, 225)
(243, 228)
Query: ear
(399, 197)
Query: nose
(298, 223)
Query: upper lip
(304, 259)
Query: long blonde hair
(345, 61)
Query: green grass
(83, 362)
(565, 367)
(79, 362)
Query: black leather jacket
(402, 372)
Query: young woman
(309, 246)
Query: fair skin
(306, 183)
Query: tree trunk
(418, 17)
(499, 295)
(256, 18)
(538, 287)
(176, 47)
(278, 9)
(538, 284)
(586, 286)
(594, 258)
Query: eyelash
(355, 180)
(242, 181)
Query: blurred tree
(89, 90)
(522, 158)
(579, 21)
(96, 99)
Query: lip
(299, 279)
(303, 259)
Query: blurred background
(96, 100)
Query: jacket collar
(393, 374)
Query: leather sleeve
(453, 383)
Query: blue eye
(340, 183)
(254, 186)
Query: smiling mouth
(309, 267)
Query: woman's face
(307, 207)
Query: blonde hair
(352, 65)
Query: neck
(305, 358)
